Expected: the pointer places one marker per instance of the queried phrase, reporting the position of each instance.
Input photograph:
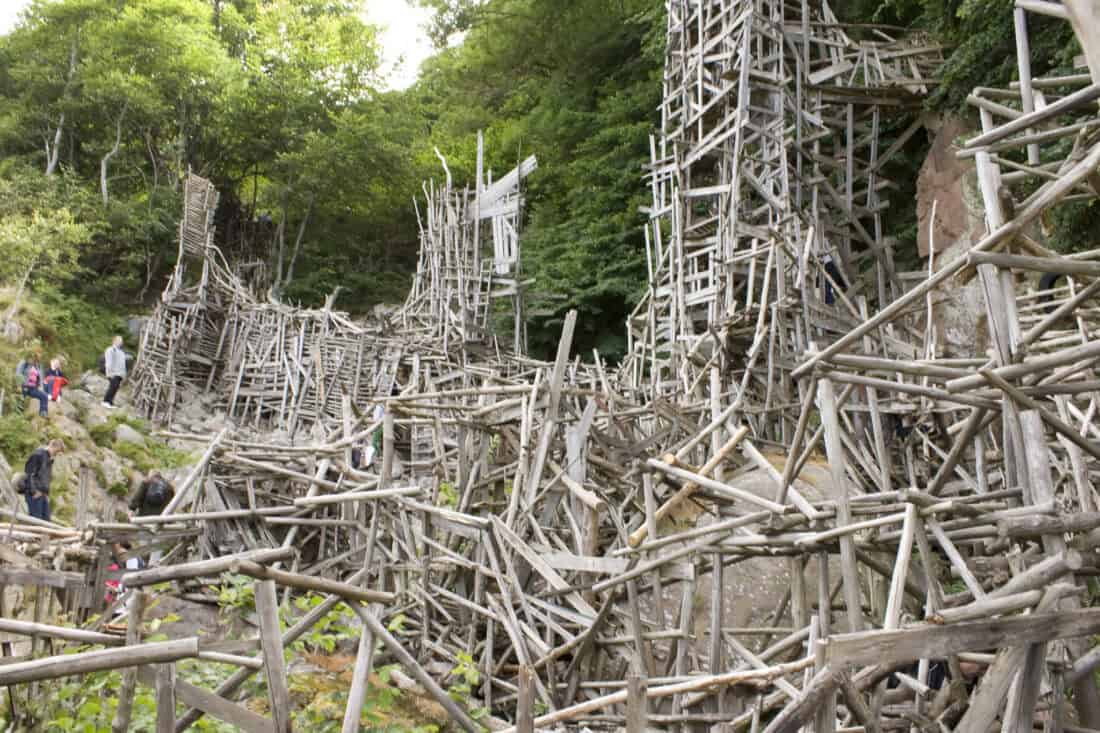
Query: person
(31, 372)
(121, 560)
(114, 359)
(35, 484)
(152, 496)
(55, 380)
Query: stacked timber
(789, 509)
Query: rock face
(942, 179)
(126, 434)
(959, 317)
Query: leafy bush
(18, 437)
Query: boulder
(942, 181)
(68, 426)
(958, 312)
(126, 434)
(94, 382)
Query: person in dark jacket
(35, 484)
(152, 496)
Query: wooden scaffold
(588, 536)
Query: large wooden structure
(786, 417)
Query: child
(31, 372)
(55, 380)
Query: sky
(404, 43)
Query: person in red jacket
(55, 380)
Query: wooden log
(271, 640)
(184, 490)
(987, 607)
(166, 697)
(837, 469)
(1078, 99)
(936, 642)
(637, 705)
(348, 496)
(82, 663)
(29, 628)
(135, 609)
(306, 582)
(360, 679)
(201, 568)
(1039, 525)
(525, 689)
(719, 487)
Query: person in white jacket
(114, 360)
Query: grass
(61, 325)
(152, 455)
(103, 434)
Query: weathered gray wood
(135, 609)
(166, 697)
(82, 663)
(152, 576)
(525, 699)
(278, 693)
(308, 582)
(888, 647)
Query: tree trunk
(53, 152)
(298, 240)
(280, 243)
(110, 154)
(18, 297)
(153, 162)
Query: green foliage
(466, 678)
(236, 594)
(18, 438)
(448, 495)
(88, 703)
(119, 489)
(103, 434)
(328, 631)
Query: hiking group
(46, 385)
(151, 497)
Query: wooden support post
(166, 697)
(837, 469)
(636, 704)
(360, 678)
(525, 700)
(271, 639)
(135, 608)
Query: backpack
(21, 371)
(157, 495)
(102, 364)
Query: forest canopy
(106, 104)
